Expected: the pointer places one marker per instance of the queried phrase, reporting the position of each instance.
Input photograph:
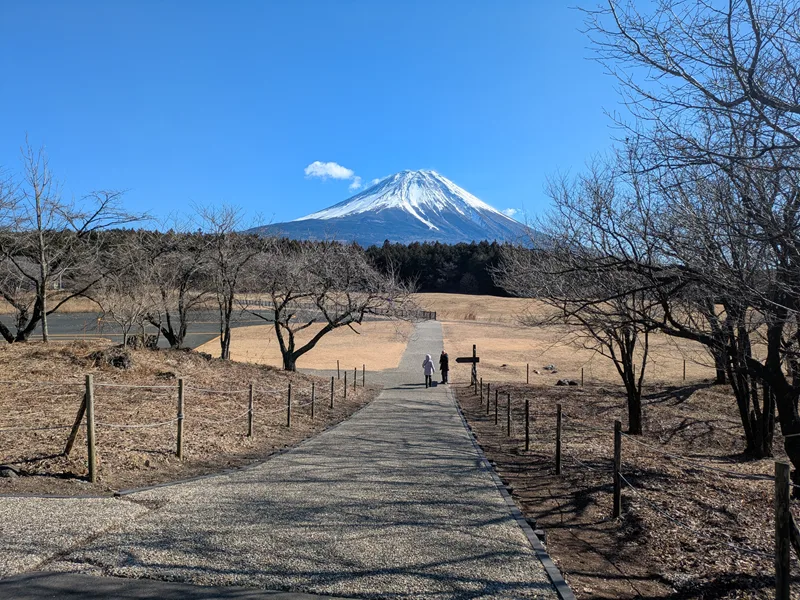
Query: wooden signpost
(474, 360)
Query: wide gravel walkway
(393, 503)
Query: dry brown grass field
(505, 349)
(378, 345)
(462, 307)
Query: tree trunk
(762, 421)
(634, 412)
(225, 343)
(45, 332)
(719, 367)
(289, 362)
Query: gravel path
(394, 503)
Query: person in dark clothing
(444, 365)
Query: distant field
(461, 307)
(490, 322)
(379, 345)
(505, 349)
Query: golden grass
(461, 307)
(379, 345)
(505, 349)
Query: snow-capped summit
(410, 206)
(419, 193)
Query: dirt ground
(505, 349)
(43, 390)
(379, 345)
(687, 531)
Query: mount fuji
(410, 206)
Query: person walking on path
(428, 368)
(444, 365)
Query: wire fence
(154, 408)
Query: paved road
(75, 326)
(203, 327)
(393, 503)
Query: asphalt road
(76, 326)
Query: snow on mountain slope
(419, 193)
(410, 206)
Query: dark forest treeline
(436, 267)
(431, 266)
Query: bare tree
(179, 264)
(714, 96)
(325, 285)
(49, 246)
(593, 229)
(230, 255)
(127, 294)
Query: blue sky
(205, 103)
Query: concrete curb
(562, 588)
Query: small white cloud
(509, 212)
(356, 183)
(374, 181)
(329, 169)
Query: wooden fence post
(783, 524)
(332, 390)
(289, 406)
(508, 414)
(684, 369)
(558, 439)
(313, 394)
(581, 376)
(345, 385)
(527, 372)
(363, 375)
(527, 424)
(474, 375)
(495, 407)
(355, 377)
(90, 438)
(76, 426)
(488, 397)
(617, 468)
(338, 373)
(481, 391)
(179, 444)
(250, 412)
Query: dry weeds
(687, 530)
(215, 425)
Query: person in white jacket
(429, 369)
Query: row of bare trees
(692, 226)
(317, 287)
(54, 250)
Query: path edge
(556, 578)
